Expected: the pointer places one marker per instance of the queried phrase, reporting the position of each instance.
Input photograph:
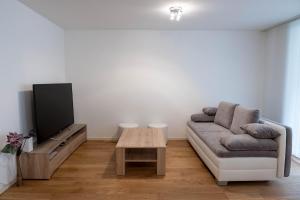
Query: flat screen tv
(53, 109)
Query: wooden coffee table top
(141, 138)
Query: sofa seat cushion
(211, 135)
(224, 114)
(245, 142)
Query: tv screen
(53, 108)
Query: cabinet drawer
(66, 151)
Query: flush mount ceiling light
(175, 13)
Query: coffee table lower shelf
(155, 155)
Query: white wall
(148, 76)
(31, 51)
(282, 72)
(275, 72)
(282, 88)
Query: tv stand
(42, 162)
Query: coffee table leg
(120, 161)
(161, 161)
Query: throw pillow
(211, 111)
(262, 131)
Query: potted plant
(14, 147)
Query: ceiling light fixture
(175, 13)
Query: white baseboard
(116, 139)
(296, 159)
(177, 139)
(102, 138)
(3, 187)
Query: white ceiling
(154, 14)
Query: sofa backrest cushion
(243, 116)
(224, 114)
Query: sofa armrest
(281, 140)
(202, 117)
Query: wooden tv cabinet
(42, 162)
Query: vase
(19, 172)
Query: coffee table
(141, 145)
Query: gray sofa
(253, 160)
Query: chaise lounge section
(254, 159)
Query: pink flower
(15, 139)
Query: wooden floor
(90, 174)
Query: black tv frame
(35, 112)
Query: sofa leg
(222, 183)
